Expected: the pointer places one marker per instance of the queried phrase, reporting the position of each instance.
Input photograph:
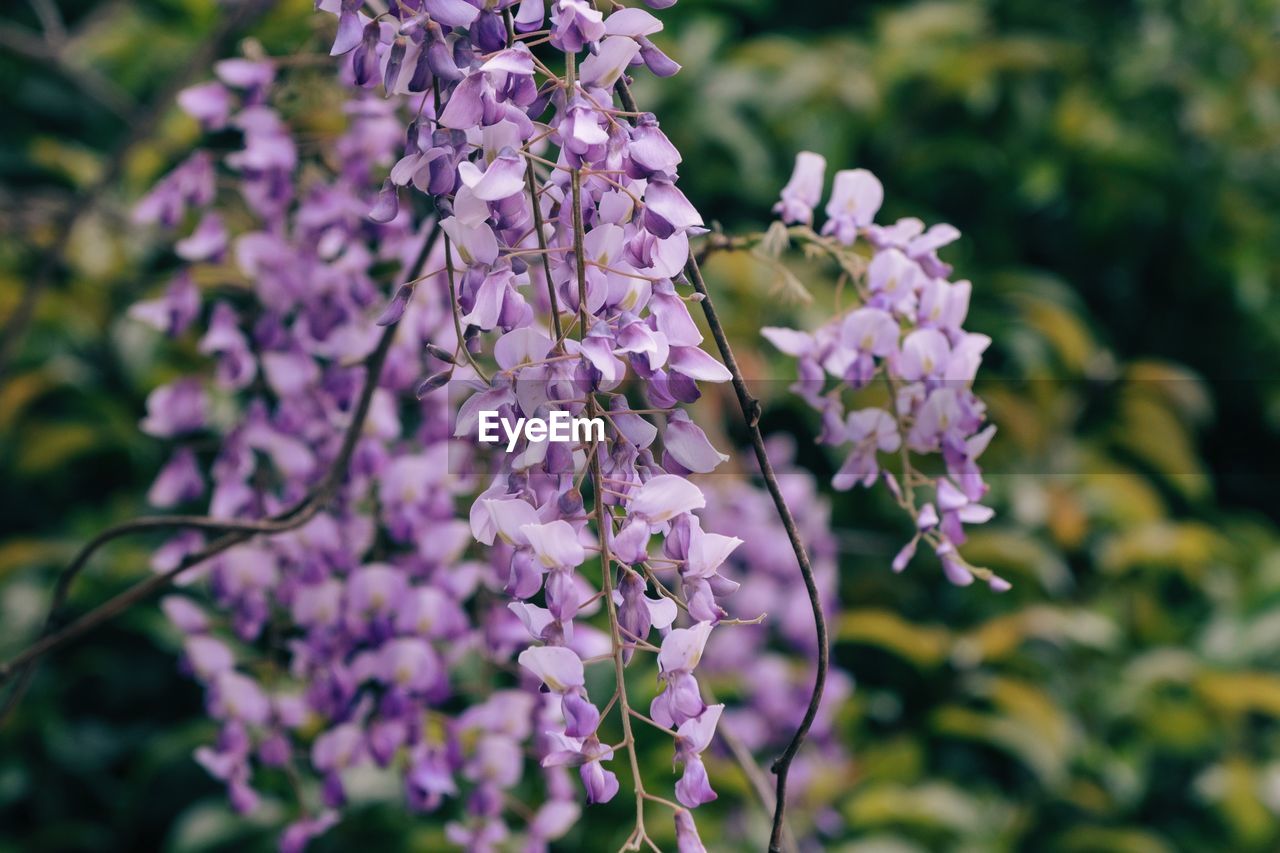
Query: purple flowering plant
(500, 228)
(903, 335)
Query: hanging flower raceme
(369, 605)
(565, 236)
(906, 331)
(554, 287)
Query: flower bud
(394, 62)
(438, 380)
(441, 353)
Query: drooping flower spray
(564, 229)
(500, 229)
(905, 329)
(556, 276)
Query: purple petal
(682, 648)
(856, 197)
(205, 243)
(694, 788)
(556, 544)
(789, 341)
(558, 667)
(179, 481)
(696, 364)
(667, 210)
(688, 444)
(665, 497)
(708, 551)
(601, 784)
(504, 178)
(687, 840)
(695, 735)
(452, 13)
(603, 69)
(631, 22)
(350, 29)
(387, 205)
(245, 73)
(208, 103)
(395, 308)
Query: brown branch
(22, 666)
(751, 415)
(141, 124)
(751, 770)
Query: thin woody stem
(604, 522)
(290, 520)
(532, 182)
(22, 665)
(755, 775)
(457, 320)
(604, 519)
(751, 415)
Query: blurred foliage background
(1115, 168)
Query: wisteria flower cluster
(540, 236)
(363, 621)
(500, 232)
(905, 331)
(556, 204)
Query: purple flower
(409, 663)
(687, 840)
(871, 431)
(206, 243)
(185, 614)
(553, 820)
(681, 700)
(687, 445)
(246, 74)
(601, 784)
(666, 211)
(603, 68)
(179, 480)
(208, 103)
(301, 833)
(236, 364)
(867, 334)
(503, 178)
(451, 13)
(664, 497)
(555, 544)
(957, 510)
(803, 192)
(191, 184)
(384, 601)
(237, 697)
(694, 736)
(856, 197)
(908, 329)
(893, 279)
(558, 667)
(173, 313)
(575, 24)
(174, 409)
